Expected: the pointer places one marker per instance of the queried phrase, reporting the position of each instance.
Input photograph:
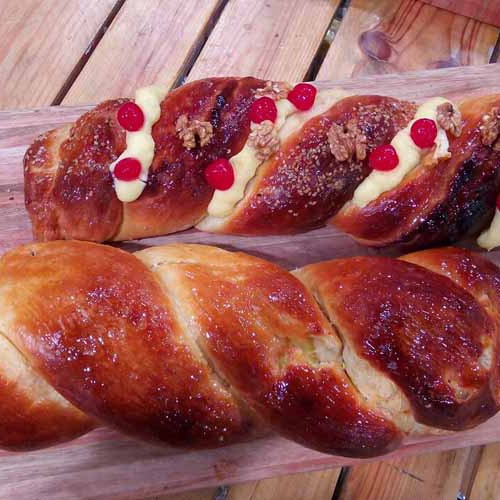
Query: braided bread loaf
(293, 175)
(195, 346)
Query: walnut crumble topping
(490, 129)
(264, 139)
(449, 118)
(347, 141)
(192, 132)
(274, 90)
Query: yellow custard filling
(140, 144)
(409, 154)
(246, 163)
(490, 238)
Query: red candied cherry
(220, 174)
(498, 202)
(424, 132)
(263, 109)
(383, 158)
(130, 117)
(302, 96)
(127, 169)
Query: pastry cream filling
(490, 238)
(409, 154)
(245, 163)
(140, 144)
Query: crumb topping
(193, 132)
(450, 119)
(264, 139)
(347, 141)
(274, 90)
(490, 129)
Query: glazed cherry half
(127, 169)
(383, 158)
(220, 174)
(263, 109)
(130, 117)
(302, 96)
(424, 133)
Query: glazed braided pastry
(194, 346)
(244, 156)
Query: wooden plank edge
(233, 464)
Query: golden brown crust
(420, 329)
(93, 320)
(436, 203)
(214, 347)
(259, 326)
(68, 187)
(33, 414)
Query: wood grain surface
(428, 476)
(34, 65)
(388, 36)
(106, 464)
(487, 11)
(487, 481)
(275, 40)
(314, 485)
(148, 41)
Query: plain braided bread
(194, 346)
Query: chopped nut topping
(449, 118)
(274, 90)
(490, 129)
(193, 131)
(264, 139)
(347, 141)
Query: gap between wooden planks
(109, 465)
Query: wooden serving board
(104, 464)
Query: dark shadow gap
(327, 40)
(87, 54)
(198, 45)
(496, 51)
(337, 492)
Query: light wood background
(487, 11)
(83, 51)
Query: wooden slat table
(79, 52)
